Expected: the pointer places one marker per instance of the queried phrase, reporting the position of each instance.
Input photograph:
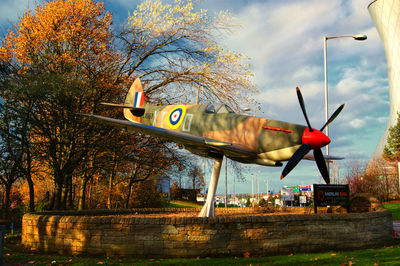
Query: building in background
(386, 16)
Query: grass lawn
(394, 208)
(14, 254)
(383, 256)
(183, 204)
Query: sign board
(305, 187)
(287, 194)
(303, 199)
(330, 195)
(293, 188)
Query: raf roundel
(176, 116)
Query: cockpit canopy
(219, 108)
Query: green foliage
(262, 202)
(270, 199)
(394, 208)
(42, 205)
(248, 203)
(146, 195)
(296, 200)
(17, 212)
(391, 151)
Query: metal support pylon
(208, 208)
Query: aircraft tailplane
(136, 99)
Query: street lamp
(358, 37)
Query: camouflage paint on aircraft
(251, 139)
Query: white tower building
(386, 15)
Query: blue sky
(284, 43)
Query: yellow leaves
(61, 31)
(159, 19)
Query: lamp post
(358, 37)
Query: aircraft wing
(328, 158)
(177, 136)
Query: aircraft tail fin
(136, 99)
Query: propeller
(312, 139)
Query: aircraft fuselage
(267, 141)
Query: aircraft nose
(316, 139)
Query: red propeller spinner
(316, 139)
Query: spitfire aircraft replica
(215, 131)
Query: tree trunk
(7, 201)
(90, 195)
(110, 187)
(28, 174)
(65, 192)
(70, 203)
(67, 183)
(129, 194)
(52, 200)
(110, 182)
(31, 194)
(82, 193)
(132, 178)
(58, 194)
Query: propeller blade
(303, 108)
(319, 159)
(295, 159)
(333, 116)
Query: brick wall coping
(129, 217)
(102, 212)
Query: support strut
(208, 208)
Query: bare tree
(176, 51)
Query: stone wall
(186, 235)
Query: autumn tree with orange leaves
(66, 58)
(63, 59)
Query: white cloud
(11, 10)
(357, 123)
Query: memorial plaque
(331, 195)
